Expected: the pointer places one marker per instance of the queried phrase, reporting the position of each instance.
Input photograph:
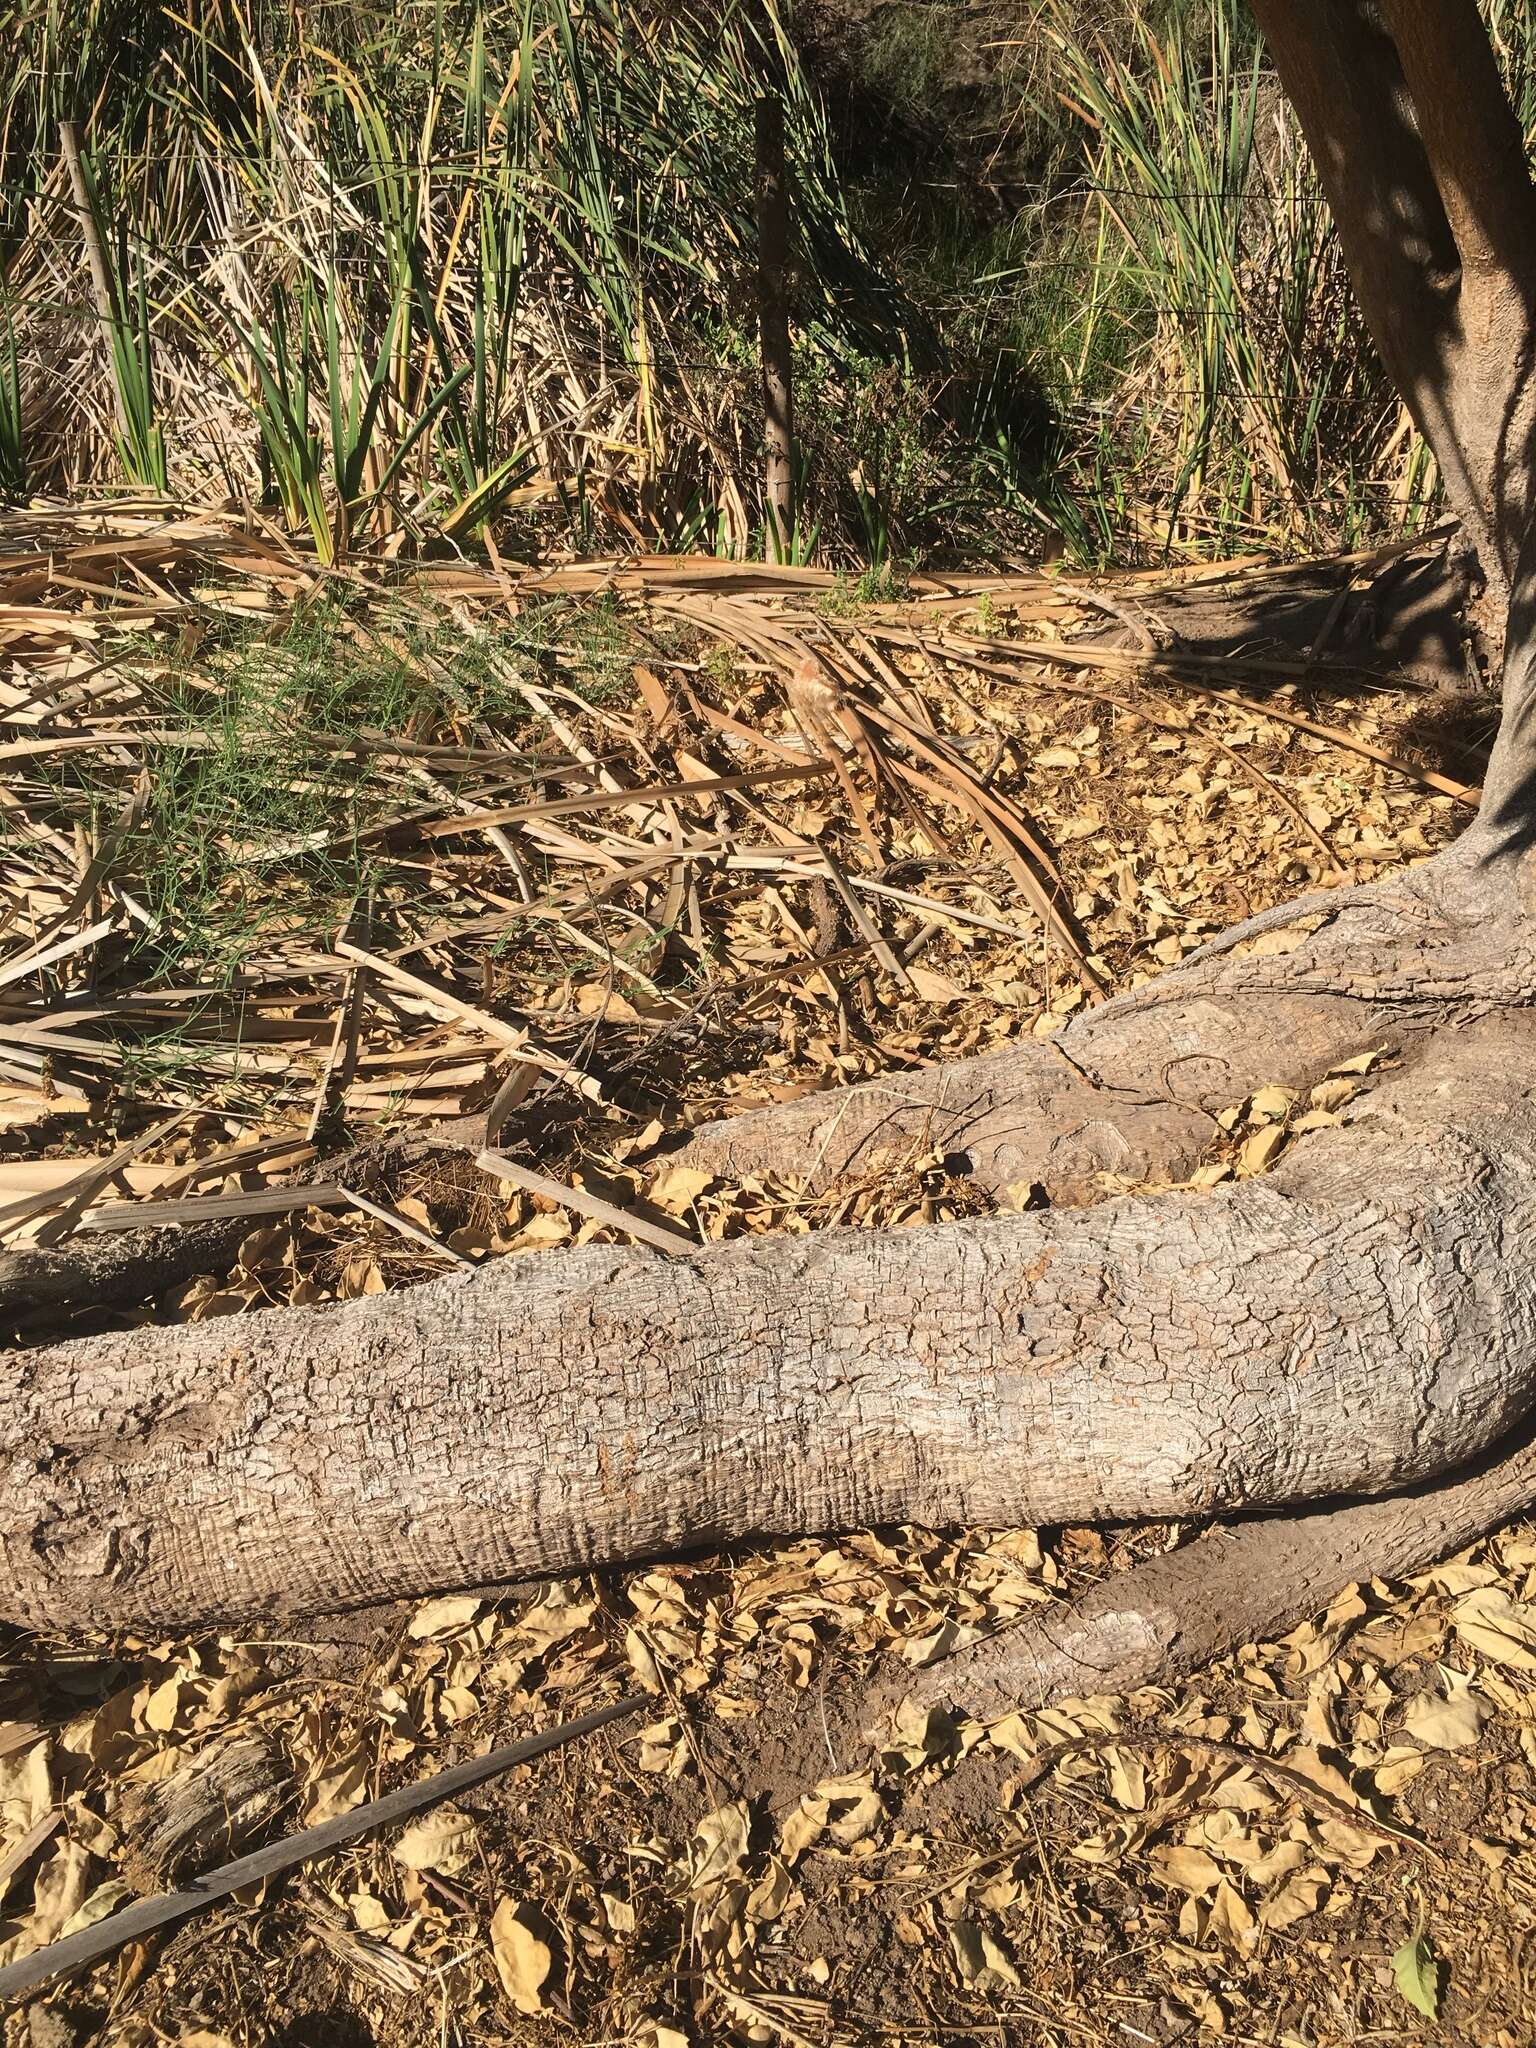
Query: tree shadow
(40, 1680)
(1406, 624)
(1453, 734)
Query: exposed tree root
(1359, 1320)
(133, 1265)
(1247, 1583)
(1130, 1088)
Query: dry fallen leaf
(442, 1617)
(340, 1784)
(920, 1734)
(58, 1895)
(936, 988)
(1295, 1899)
(369, 1913)
(1498, 1628)
(1451, 1723)
(720, 1844)
(772, 1893)
(522, 1957)
(1401, 1765)
(106, 1898)
(1231, 1917)
(1283, 1860)
(676, 1188)
(1327, 1776)
(553, 1620)
(1259, 1152)
(163, 1705)
(662, 1748)
(981, 1963)
(852, 1804)
(1271, 1103)
(1362, 1062)
(441, 1841)
(1332, 1094)
(1127, 1780)
(802, 1828)
(1188, 1870)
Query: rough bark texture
(205, 1811)
(1131, 1088)
(1245, 1584)
(1361, 1320)
(131, 1267)
(1424, 165)
(1356, 1321)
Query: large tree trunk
(1423, 162)
(1360, 1320)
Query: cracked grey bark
(1360, 1319)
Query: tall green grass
(1244, 388)
(14, 475)
(430, 269)
(482, 271)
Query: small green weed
(880, 583)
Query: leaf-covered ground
(1306, 1838)
(977, 814)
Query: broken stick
(148, 1916)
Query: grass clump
(882, 583)
(264, 814)
(255, 823)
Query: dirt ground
(1241, 1862)
(1325, 1840)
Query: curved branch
(1130, 1088)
